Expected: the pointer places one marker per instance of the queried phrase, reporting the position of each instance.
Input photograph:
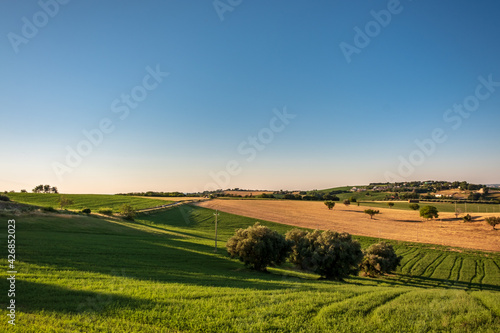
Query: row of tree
(44, 189)
(330, 254)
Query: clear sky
(120, 96)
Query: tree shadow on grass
(144, 256)
(404, 280)
(33, 297)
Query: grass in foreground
(160, 274)
(80, 201)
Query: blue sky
(68, 67)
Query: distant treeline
(154, 194)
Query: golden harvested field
(244, 192)
(390, 223)
(176, 199)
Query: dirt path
(390, 224)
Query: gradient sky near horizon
(355, 121)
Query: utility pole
(216, 215)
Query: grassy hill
(160, 274)
(80, 201)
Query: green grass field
(441, 206)
(80, 201)
(160, 274)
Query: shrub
(105, 211)
(330, 204)
(4, 198)
(493, 221)
(467, 218)
(371, 212)
(415, 206)
(258, 246)
(127, 212)
(352, 199)
(380, 259)
(347, 202)
(330, 254)
(390, 204)
(64, 201)
(429, 212)
(86, 211)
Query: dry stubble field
(389, 224)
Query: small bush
(379, 259)
(371, 212)
(86, 211)
(347, 202)
(127, 212)
(414, 206)
(105, 211)
(429, 212)
(65, 201)
(330, 204)
(258, 246)
(330, 254)
(4, 198)
(493, 221)
(390, 204)
(467, 218)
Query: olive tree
(414, 206)
(330, 204)
(493, 221)
(379, 259)
(429, 212)
(371, 212)
(330, 254)
(258, 246)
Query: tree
(390, 204)
(352, 199)
(258, 246)
(347, 202)
(467, 218)
(54, 190)
(330, 204)
(46, 188)
(415, 206)
(301, 250)
(330, 254)
(127, 212)
(371, 212)
(38, 189)
(429, 212)
(493, 221)
(24, 191)
(64, 201)
(379, 259)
